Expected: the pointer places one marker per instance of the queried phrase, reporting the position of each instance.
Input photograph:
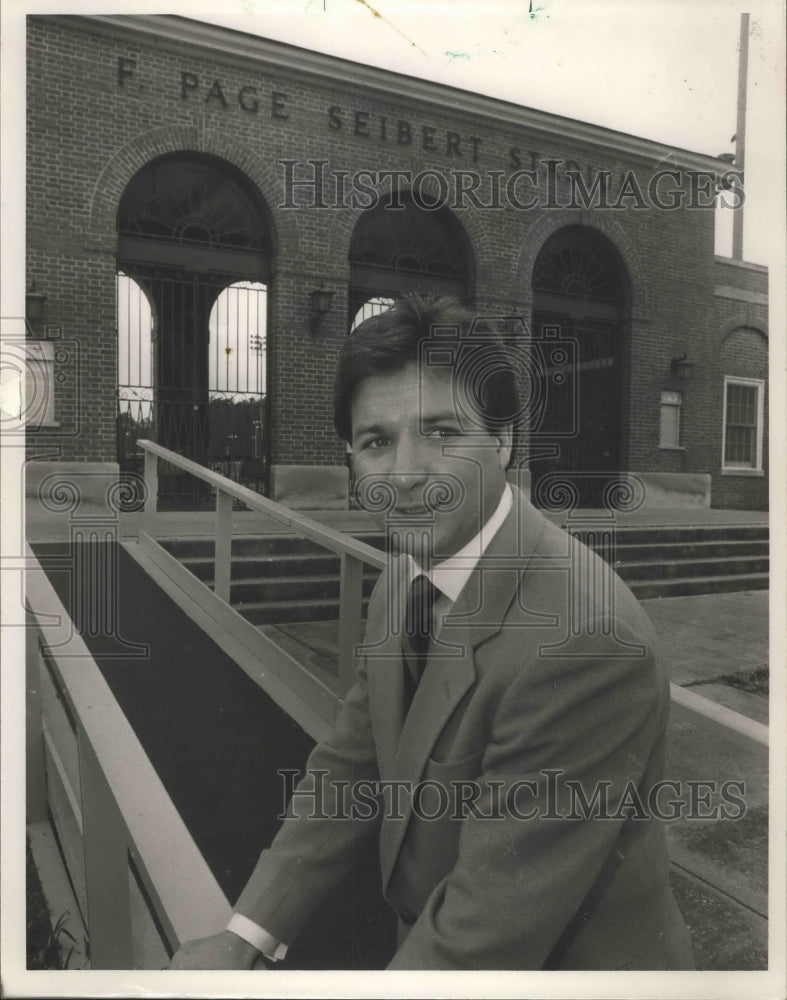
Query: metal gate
(191, 376)
(581, 294)
(582, 414)
(193, 263)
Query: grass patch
(753, 681)
(48, 946)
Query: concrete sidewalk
(714, 643)
(717, 645)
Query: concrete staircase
(278, 579)
(679, 561)
(275, 578)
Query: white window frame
(674, 401)
(39, 408)
(738, 469)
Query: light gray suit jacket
(545, 673)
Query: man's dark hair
(388, 342)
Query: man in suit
(507, 723)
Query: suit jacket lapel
(483, 603)
(383, 651)
(476, 615)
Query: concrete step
(683, 534)
(251, 568)
(281, 612)
(276, 578)
(286, 578)
(292, 588)
(256, 545)
(686, 586)
(691, 568)
(661, 551)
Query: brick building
(209, 212)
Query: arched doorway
(194, 251)
(407, 249)
(581, 296)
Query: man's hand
(221, 951)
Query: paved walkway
(710, 638)
(713, 643)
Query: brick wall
(104, 102)
(740, 348)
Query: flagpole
(740, 137)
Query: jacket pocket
(459, 767)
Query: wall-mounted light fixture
(34, 304)
(320, 299)
(682, 368)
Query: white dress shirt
(449, 577)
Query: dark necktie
(418, 631)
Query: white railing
(117, 825)
(118, 828)
(320, 697)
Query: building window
(372, 307)
(39, 398)
(669, 436)
(743, 424)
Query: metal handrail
(353, 553)
(334, 540)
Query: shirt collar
(452, 574)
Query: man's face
(407, 437)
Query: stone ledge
(92, 480)
(675, 489)
(311, 487)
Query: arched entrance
(398, 250)
(409, 249)
(193, 271)
(581, 295)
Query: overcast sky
(664, 70)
